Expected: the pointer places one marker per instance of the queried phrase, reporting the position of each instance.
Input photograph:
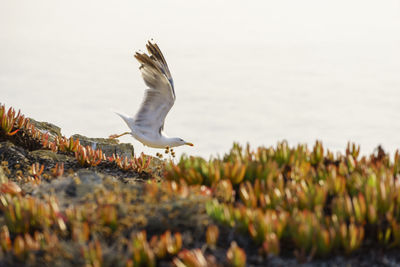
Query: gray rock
(89, 177)
(57, 187)
(108, 146)
(69, 189)
(88, 181)
(46, 127)
(12, 154)
(48, 155)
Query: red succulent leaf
(14, 132)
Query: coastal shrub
(247, 205)
(304, 198)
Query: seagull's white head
(176, 141)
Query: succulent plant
(36, 171)
(92, 253)
(10, 122)
(10, 188)
(27, 214)
(86, 156)
(193, 258)
(142, 254)
(309, 202)
(236, 256)
(212, 234)
(139, 165)
(58, 170)
(67, 145)
(166, 245)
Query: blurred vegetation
(249, 204)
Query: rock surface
(47, 127)
(108, 146)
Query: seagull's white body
(148, 123)
(155, 141)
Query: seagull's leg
(113, 136)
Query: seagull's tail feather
(127, 119)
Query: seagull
(147, 126)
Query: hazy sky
(86, 22)
(257, 71)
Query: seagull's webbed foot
(114, 136)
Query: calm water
(258, 74)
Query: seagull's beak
(189, 144)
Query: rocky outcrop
(47, 127)
(108, 146)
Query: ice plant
(58, 170)
(26, 214)
(5, 240)
(86, 156)
(223, 191)
(36, 171)
(68, 145)
(271, 245)
(10, 188)
(92, 254)
(351, 236)
(142, 254)
(166, 245)
(212, 234)
(192, 258)
(9, 121)
(122, 162)
(308, 202)
(139, 165)
(236, 256)
(142, 163)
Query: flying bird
(147, 126)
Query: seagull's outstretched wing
(159, 97)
